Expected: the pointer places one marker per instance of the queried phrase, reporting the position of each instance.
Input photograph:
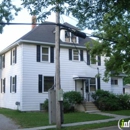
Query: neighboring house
(126, 89)
(28, 69)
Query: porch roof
(80, 77)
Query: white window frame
(3, 85)
(45, 54)
(3, 61)
(43, 87)
(95, 60)
(13, 55)
(113, 80)
(13, 85)
(70, 38)
(94, 84)
(76, 55)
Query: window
(69, 37)
(75, 54)
(93, 59)
(3, 61)
(92, 84)
(13, 56)
(45, 83)
(13, 81)
(45, 54)
(114, 81)
(3, 85)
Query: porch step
(90, 107)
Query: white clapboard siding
(7, 99)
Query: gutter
(36, 43)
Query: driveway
(7, 123)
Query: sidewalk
(116, 117)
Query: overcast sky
(13, 32)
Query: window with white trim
(93, 59)
(45, 83)
(3, 61)
(76, 55)
(3, 85)
(45, 54)
(92, 84)
(114, 81)
(71, 38)
(13, 81)
(13, 56)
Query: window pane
(48, 83)
(44, 50)
(92, 81)
(75, 55)
(92, 87)
(44, 57)
(93, 60)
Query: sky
(11, 33)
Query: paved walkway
(116, 117)
(7, 123)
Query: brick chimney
(34, 20)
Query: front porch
(87, 86)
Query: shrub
(70, 99)
(105, 100)
(45, 105)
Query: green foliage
(70, 99)
(73, 97)
(45, 105)
(7, 12)
(105, 100)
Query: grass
(120, 112)
(35, 119)
(89, 126)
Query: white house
(28, 69)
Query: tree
(7, 12)
(108, 18)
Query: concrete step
(90, 106)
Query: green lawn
(89, 126)
(121, 112)
(35, 119)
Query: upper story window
(114, 81)
(93, 59)
(69, 37)
(3, 61)
(45, 54)
(13, 56)
(76, 55)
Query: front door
(89, 88)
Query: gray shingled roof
(45, 33)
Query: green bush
(105, 100)
(69, 100)
(45, 105)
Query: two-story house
(28, 69)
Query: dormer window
(69, 37)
